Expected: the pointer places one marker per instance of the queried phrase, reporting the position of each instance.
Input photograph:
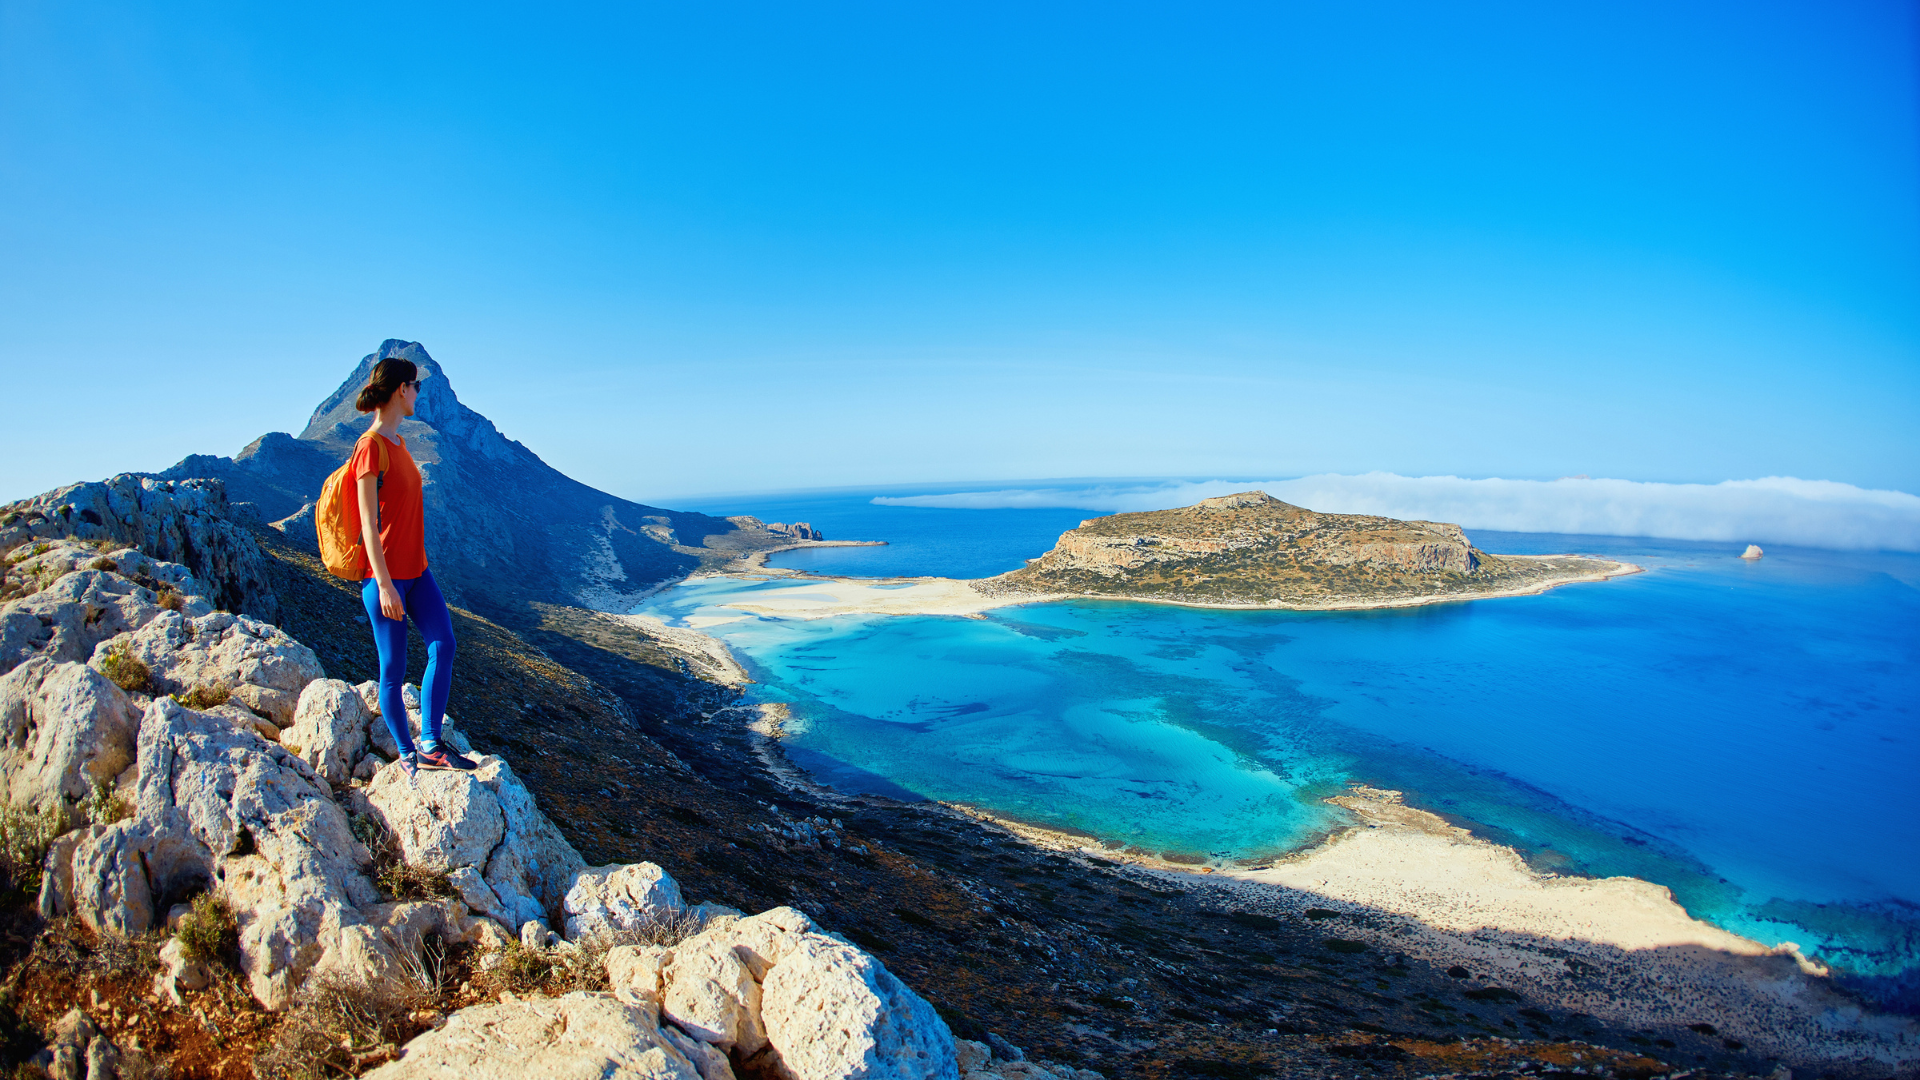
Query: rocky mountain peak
(504, 528)
(439, 415)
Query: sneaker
(441, 757)
(409, 765)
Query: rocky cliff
(504, 529)
(170, 751)
(1252, 549)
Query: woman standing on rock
(393, 531)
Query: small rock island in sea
(1252, 550)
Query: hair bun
(388, 376)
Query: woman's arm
(369, 489)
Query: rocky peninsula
(1252, 550)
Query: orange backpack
(337, 518)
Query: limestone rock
(183, 521)
(832, 1011)
(636, 972)
(1753, 552)
(259, 664)
(534, 866)
(603, 899)
(475, 892)
(711, 994)
(575, 1037)
(65, 728)
(301, 527)
(329, 729)
(219, 807)
(441, 819)
(485, 819)
(72, 607)
(710, 1060)
(179, 972)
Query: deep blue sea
(1741, 732)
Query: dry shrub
(132, 957)
(104, 807)
(127, 671)
(104, 564)
(396, 879)
(205, 697)
(209, 931)
(403, 881)
(169, 598)
(521, 970)
(581, 965)
(338, 1026)
(24, 836)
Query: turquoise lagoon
(1741, 732)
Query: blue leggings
(429, 612)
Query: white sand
(1620, 949)
(817, 597)
(821, 598)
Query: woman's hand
(390, 604)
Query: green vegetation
(205, 697)
(209, 932)
(103, 807)
(25, 834)
(127, 671)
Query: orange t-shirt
(403, 522)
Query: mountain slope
(504, 528)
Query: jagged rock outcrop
(775, 991)
(574, 1037)
(329, 729)
(799, 530)
(1253, 549)
(186, 521)
(606, 900)
(66, 731)
(213, 805)
(490, 501)
(485, 821)
(255, 662)
(62, 598)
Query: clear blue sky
(705, 247)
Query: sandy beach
(1404, 881)
(816, 597)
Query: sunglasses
(415, 384)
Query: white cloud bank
(1777, 509)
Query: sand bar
(1405, 881)
(814, 596)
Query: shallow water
(1742, 732)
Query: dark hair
(389, 375)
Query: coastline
(757, 560)
(817, 596)
(1404, 881)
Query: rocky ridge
(278, 797)
(1251, 549)
(505, 528)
